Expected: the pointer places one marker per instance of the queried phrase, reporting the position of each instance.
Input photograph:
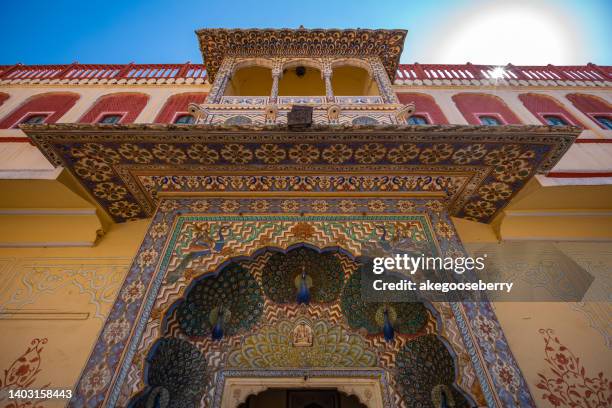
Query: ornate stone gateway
(247, 276)
(215, 291)
(199, 262)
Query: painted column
(382, 80)
(223, 75)
(327, 73)
(276, 75)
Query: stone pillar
(327, 72)
(221, 79)
(382, 80)
(276, 75)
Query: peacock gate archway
(247, 277)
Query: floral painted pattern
(22, 374)
(304, 153)
(566, 382)
(202, 154)
(463, 164)
(270, 154)
(337, 153)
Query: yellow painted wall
(62, 295)
(250, 81)
(311, 84)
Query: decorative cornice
(218, 43)
(511, 129)
(121, 164)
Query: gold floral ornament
(480, 209)
(147, 257)
(319, 206)
(377, 205)
(133, 292)
(199, 206)
(347, 206)
(260, 205)
(124, 209)
(495, 191)
(95, 380)
(93, 170)
(270, 153)
(436, 153)
(405, 206)
(444, 229)
(96, 151)
(370, 153)
(304, 153)
(202, 154)
(135, 153)
(110, 191)
(169, 153)
(403, 153)
(229, 205)
(468, 154)
(337, 153)
(290, 205)
(511, 163)
(237, 154)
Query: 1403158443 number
(43, 394)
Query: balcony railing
(106, 71)
(167, 72)
(468, 72)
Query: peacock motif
(303, 275)
(332, 346)
(380, 317)
(225, 304)
(426, 373)
(174, 376)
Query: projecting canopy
(217, 43)
(474, 170)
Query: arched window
(34, 119)
(418, 120)
(184, 119)
(109, 119)
(548, 110)
(594, 107)
(425, 106)
(349, 80)
(489, 120)
(555, 120)
(50, 105)
(301, 80)
(128, 105)
(476, 106)
(251, 80)
(604, 121)
(176, 106)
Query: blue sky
(443, 31)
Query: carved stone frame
(234, 386)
